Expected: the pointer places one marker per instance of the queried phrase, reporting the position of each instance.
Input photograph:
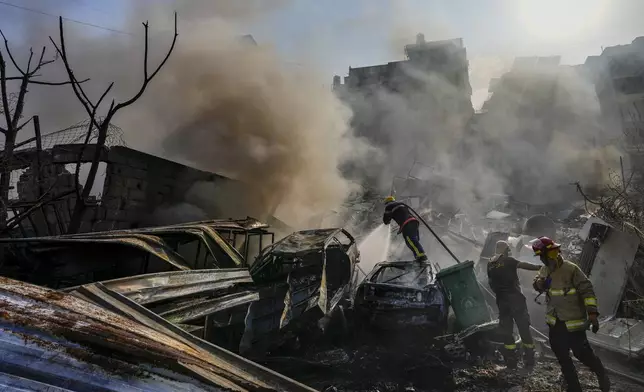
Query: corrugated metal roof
(61, 341)
(150, 288)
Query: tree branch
(149, 78)
(13, 222)
(20, 104)
(85, 143)
(42, 83)
(78, 89)
(19, 127)
(3, 91)
(6, 45)
(31, 56)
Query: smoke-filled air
(235, 104)
(237, 108)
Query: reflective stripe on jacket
(570, 296)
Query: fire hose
(440, 241)
(634, 379)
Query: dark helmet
(544, 244)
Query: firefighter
(504, 281)
(407, 225)
(571, 309)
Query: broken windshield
(409, 275)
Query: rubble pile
(545, 377)
(572, 244)
(390, 367)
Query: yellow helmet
(389, 199)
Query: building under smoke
(539, 130)
(409, 109)
(617, 74)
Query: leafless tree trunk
(12, 109)
(101, 124)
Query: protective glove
(539, 284)
(592, 318)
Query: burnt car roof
(304, 241)
(148, 239)
(401, 263)
(147, 243)
(247, 224)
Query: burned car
(300, 279)
(400, 294)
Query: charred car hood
(402, 296)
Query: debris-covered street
(387, 362)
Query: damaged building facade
(617, 75)
(535, 108)
(430, 86)
(136, 186)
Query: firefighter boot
(604, 382)
(510, 357)
(528, 357)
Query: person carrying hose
(504, 282)
(407, 225)
(571, 309)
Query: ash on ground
(392, 362)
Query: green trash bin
(464, 294)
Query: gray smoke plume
(231, 107)
(539, 133)
(221, 104)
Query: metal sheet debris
(147, 289)
(73, 333)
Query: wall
(136, 184)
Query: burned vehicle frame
(65, 261)
(401, 294)
(313, 271)
(294, 283)
(243, 234)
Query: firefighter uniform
(504, 282)
(407, 225)
(570, 298)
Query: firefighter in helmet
(571, 309)
(407, 225)
(504, 281)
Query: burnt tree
(12, 112)
(98, 122)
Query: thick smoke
(538, 134)
(225, 105)
(222, 104)
(234, 108)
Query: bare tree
(101, 123)
(12, 110)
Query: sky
(332, 35)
